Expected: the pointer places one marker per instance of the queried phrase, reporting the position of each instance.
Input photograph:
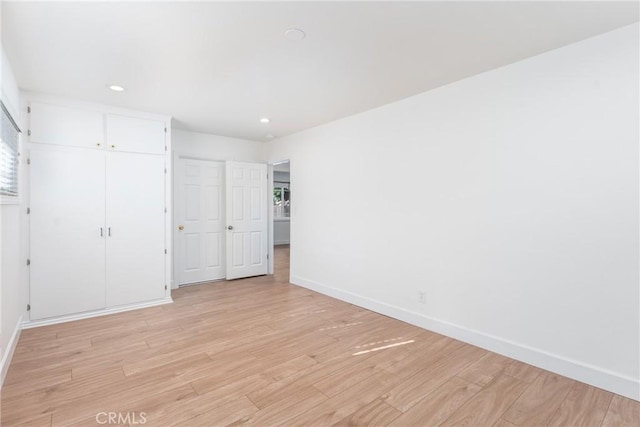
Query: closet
(98, 209)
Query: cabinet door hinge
(267, 256)
(165, 129)
(165, 148)
(165, 251)
(165, 210)
(28, 161)
(28, 261)
(28, 307)
(29, 132)
(28, 211)
(28, 109)
(165, 287)
(165, 170)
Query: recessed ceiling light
(294, 34)
(116, 88)
(265, 120)
(269, 136)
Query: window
(9, 156)
(281, 202)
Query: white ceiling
(219, 67)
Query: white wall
(10, 92)
(281, 231)
(217, 147)
(513, 205)
(13, 240)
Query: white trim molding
(8, 353)
(94, 313)
(579, 371)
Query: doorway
(281, 219)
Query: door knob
(181, 227)
(230, 227)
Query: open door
(247, 219)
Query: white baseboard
(8, 352)
(280, 242)
(94, 313)
(574, 369)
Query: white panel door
(54, 124)
(247, 225)
(135, 228)
(135, 135)
(200, 221)
(67, 231)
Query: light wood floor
(263, 352)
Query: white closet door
(200, 220)
(246, 206)
(55, 124)
(135, 135)
(135, 228)
(67, 232)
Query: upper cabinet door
(54, 124)
(135, 135)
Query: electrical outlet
(422, 297)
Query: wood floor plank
(503, 423)
(283, 410)
(486, 406)
(17, 385)
(522, 371)
(376, 413)
(584, 406)
(237, 410)
(622, 412)
(540, 401)
(35, 349)
(485, 369)
(41, 421)
(438, 405)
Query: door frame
(175, 236)
(270, 168)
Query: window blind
(9, 156)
